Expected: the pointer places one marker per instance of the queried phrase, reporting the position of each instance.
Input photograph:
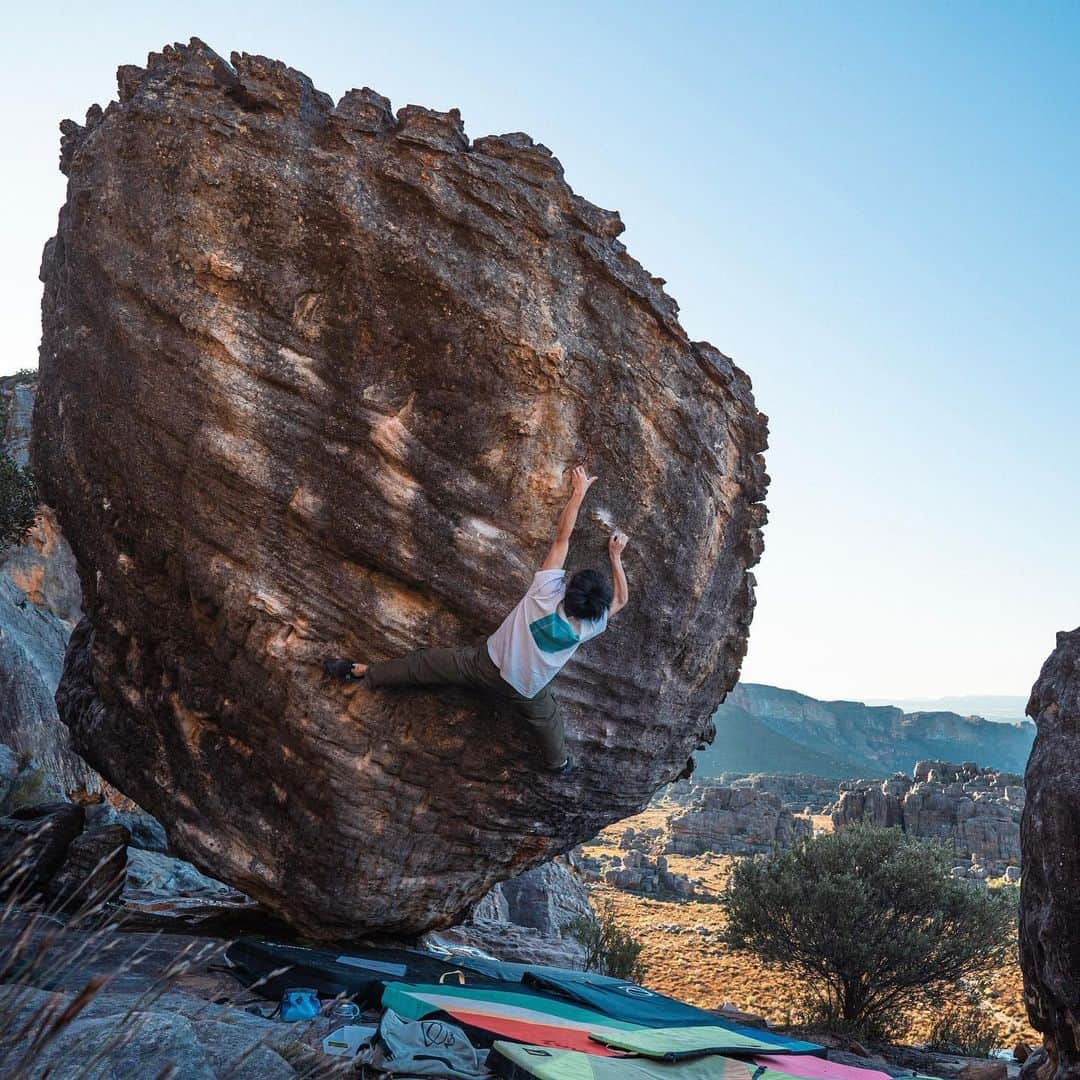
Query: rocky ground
(685, 958)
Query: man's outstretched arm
(556, 555)
(619, 587)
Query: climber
(515, 665)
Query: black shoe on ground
(340, 669)
(566, 767)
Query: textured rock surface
(547, 898)
(39, 603)
(94, 868)
(34, 842)
(733, 820)
(1050, 838)
(23, 783)
(32, 644)
(639, 872)
(132, 1035)
(43, 565)
(311, 378)
(509, 942)
(151, 873)
(978, 810)
(798, 792)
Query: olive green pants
(471, 666)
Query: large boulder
(312, 377)
(1050, 842)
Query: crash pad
(537, 1018)
(813, 1068)
(640, 1005)
(673, 1043)
(516, 1013)
(354, 973)
(512, 1061)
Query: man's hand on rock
(582, 481)
(617, 543)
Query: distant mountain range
(765, 729)
(1007, 707)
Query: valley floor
(685, 958)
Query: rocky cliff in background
(1050, 839)
(39, 603)
(734, 821)
(798, 792)
(312, 378)
(976, 810)
(767, 729)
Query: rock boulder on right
(1050, 844)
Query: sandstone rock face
(32, 644)
(39, 603)
(43, 565)
(1050, 838)
(977, 810)
(34, 842)
(798, 792)
(311, 377)
(733, 820)
(547, 898)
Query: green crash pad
(673, 1043)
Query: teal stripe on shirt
(553, 633)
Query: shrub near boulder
(871, 920)
(18, 501)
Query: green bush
(18, 501)
(965, 1027)
(871, 920)
(609, 950)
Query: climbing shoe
(341, 669)
(565, 767)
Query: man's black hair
(588, 595)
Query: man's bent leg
(426, 667)
(542, 715)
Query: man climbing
(516, 664)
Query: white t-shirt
(537, 638)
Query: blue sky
(872, 207)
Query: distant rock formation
(977, 809)
(767, 729)
(798, 792)
(638, 872)
(312, 375)
(1050, 838)
(733, 821)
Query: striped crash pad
(546, 1021)
(640, 1005)
(512, 1061)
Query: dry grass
(696, 968)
